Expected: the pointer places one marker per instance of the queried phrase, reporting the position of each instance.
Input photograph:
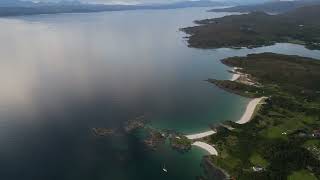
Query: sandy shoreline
(247, 115)
(235, 75)
(200, 135)
(211, 150)
(245, 118)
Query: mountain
(246, 2)
(17, 7)
(14, 3)
(278, 6)
(185, 4)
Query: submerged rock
(103, 131)
(180, 142)
(155, 138)
(133, 124)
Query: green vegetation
(303, 174)
(270, 6)
(258, 29)
(282, 74)
(279, 142)
(258, 160)
(180, 143)
(313, 146)
(239, 88)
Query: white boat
(164, 169)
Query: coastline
(263, 148)
(210, 149)
(200, 135)
(235, 74)
(245, 118)
(249, 112)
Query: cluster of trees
(293, 74)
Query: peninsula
(270, 6)
(300, 26)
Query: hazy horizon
(142, 1)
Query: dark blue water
(62, 75)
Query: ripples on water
(61, 75)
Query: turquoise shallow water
(62, 75)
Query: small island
(154, 137)
(134, 124)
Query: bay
(62, 75)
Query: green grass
(274, 133)
(302, 175)
(313, 146)
(257, 160)
(313, 142)
(228, 163)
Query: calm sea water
(62, 75)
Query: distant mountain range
(17, 7)
(277, 6)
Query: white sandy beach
(211, 150)
(235, 75)
(247, 115)
(245, 118)
(200, 135)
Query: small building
(316, 133)
(257, 168)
